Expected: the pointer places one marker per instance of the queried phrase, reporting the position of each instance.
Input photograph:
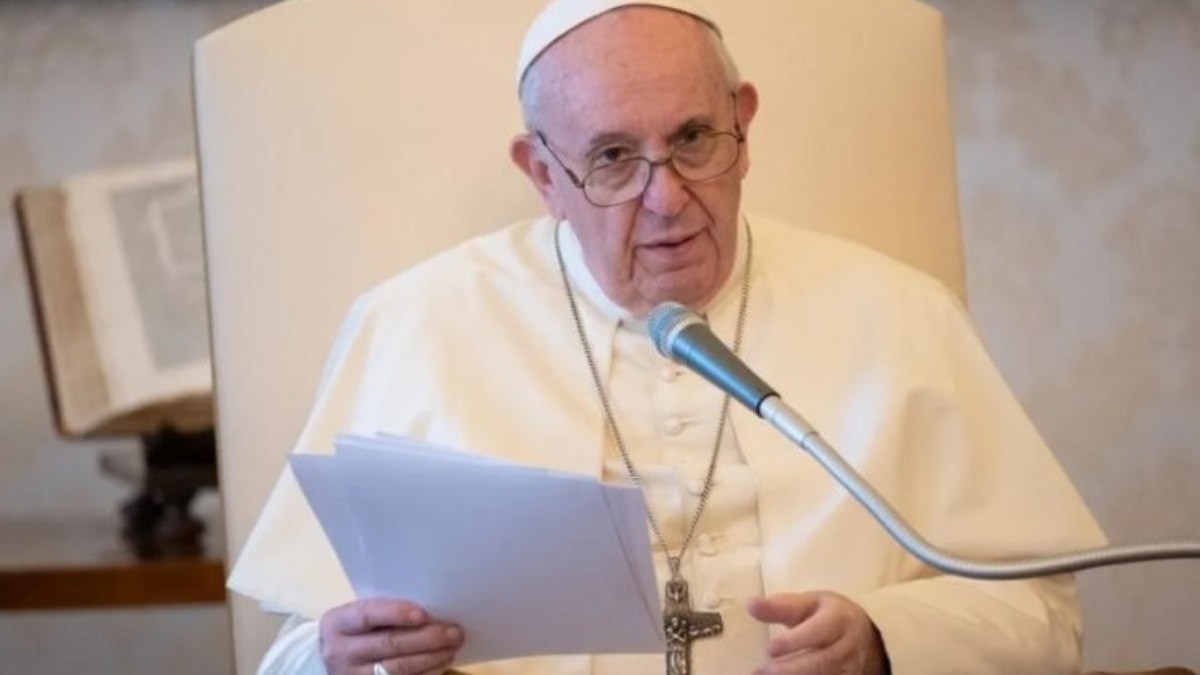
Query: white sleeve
(952, 626)
(296, 650)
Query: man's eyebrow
(606, 138)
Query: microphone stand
(682, 336)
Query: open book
(116, 266)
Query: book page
(77, 383)
(138, 246)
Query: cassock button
(706, 545)
(673, 426)
(711, 601)
(695, 487)
(668, 372)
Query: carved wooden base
(157, 521)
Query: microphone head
(664, 323)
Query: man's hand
(827, 634)
(397, 634)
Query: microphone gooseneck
(683, 336)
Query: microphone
(684, 337)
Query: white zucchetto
(563, 16)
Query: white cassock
(476, 349)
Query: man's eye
(693, 135)
(610, 155)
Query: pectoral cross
(683, 626)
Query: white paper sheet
(528, 561)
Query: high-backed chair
(341, 141)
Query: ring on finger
(379, 669)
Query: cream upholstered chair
(341, 141)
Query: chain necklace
(682, 625)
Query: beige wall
(1078, 125)
(1079, 131)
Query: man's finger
(788, 609)
(804, 663)
(820, 631)
(388, 643)
(429, 663)
(364, 616)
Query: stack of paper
(527, 561)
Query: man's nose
(666, 194)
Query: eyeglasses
(698, 155)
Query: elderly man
(637, 141)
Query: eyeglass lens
(703, 158)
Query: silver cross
(684, 626)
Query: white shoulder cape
(475, 349)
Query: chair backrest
(341, 141)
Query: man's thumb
(788, 609)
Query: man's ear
(747, 107)
(523, 151)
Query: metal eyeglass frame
(581, 184)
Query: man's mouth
(675, 242)
(672, 253)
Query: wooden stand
(155, 551)
(157, 520)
